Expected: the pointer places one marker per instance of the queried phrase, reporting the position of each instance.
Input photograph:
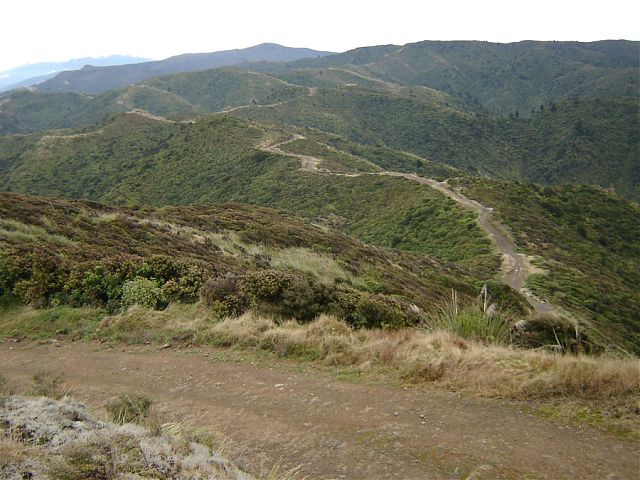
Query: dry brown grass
(414, 355)
(562, 386)
(11, 451)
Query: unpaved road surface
(515, 266)
(282, 413)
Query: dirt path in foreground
(282, 413)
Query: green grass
(17, 231)
(18, 321)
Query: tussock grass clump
(416, 355)
(48, 384)
(129, 408)
(4, 387)
(18, 231)
(475, 322)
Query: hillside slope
(58, 252)
(134, 159)
(587, 244)
(592, 141)
(501, 77)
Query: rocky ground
(42, 438)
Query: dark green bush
(13, 268)
(361, 309)
(301, 297)
(224, 296)
(183, 289)
(101, 287)
(266, 285)
(46, 278)
(553, 332)
(287, 294)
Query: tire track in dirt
(281, 413)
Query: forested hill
(506, 78)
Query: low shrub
(300, 296)
(46, 384)
(360, 309)
(95, 285)
(266, 286)
(142, 291)
(223, 295)
(292, 294)
(129, 408)
(553, 332)
(46, 277)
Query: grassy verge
(564, 386)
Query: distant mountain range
(97, 79)
(32, 74)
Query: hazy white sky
(50, 30)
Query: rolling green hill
(186, 94)
(501, 77)
(55, 252)
(580, 141)
(590, 141)
(132, 159)
(588, 246)
(487, 118)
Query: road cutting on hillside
(516, 267)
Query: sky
(49, 30)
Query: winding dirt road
(282, 412)
(515, 266)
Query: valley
(398, 261)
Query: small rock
(166, 345)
